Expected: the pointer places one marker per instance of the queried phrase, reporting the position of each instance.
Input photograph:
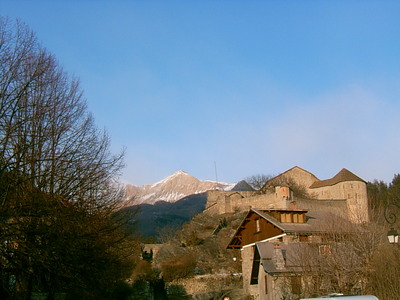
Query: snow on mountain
(171, 189)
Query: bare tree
(58, 195)
(339, 260)
(258, 181)
(384, 279)
(298, 189)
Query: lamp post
(393, 237)
(391, 218)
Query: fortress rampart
(343, 187)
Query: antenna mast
(216, 174)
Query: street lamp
(393, 236)
(391, 218)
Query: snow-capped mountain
(171, 189)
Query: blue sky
(250, 87)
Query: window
(324, 249)
(266, 284)
(296, 285)
(258, 229)
(302, 218)
(303, 238)
(286, 218)
(298, 218)
(295, 218)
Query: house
(273, 243)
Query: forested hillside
(153, 221)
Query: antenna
(216, 174)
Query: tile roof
(290, 255)
(289, 171)
(242, 186)
(343, 175)
(315, 223)
(334, 206)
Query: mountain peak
(175, 177)
(180, 172)
(171, 189)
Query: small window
(283, 219)
(302, 218)
(295, 218)
(303, 238)
(258, 229)
(298, 218)
(296, 285)
(324, 249)
(286, 218)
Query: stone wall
(222, 202)
(247, 254)
(353, 192)
(298, 175)
(207, 284)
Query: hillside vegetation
(195, 260)
(156, 221)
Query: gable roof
(289, 171)
(333, 206)
(343, 175)
(315, 224)
(242, 186)
(237, 238)
(290, 175)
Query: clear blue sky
(249, 86)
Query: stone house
(280, 222)
(271, 241)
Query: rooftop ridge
(287, 171)
(342, 176)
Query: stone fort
(345, 194)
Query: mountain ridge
(171, 189)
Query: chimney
(278, 257)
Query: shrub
(181, 267)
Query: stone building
(278, 222)
(345, 188)
(271, 243)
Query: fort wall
(223, 202)
(354, 192)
